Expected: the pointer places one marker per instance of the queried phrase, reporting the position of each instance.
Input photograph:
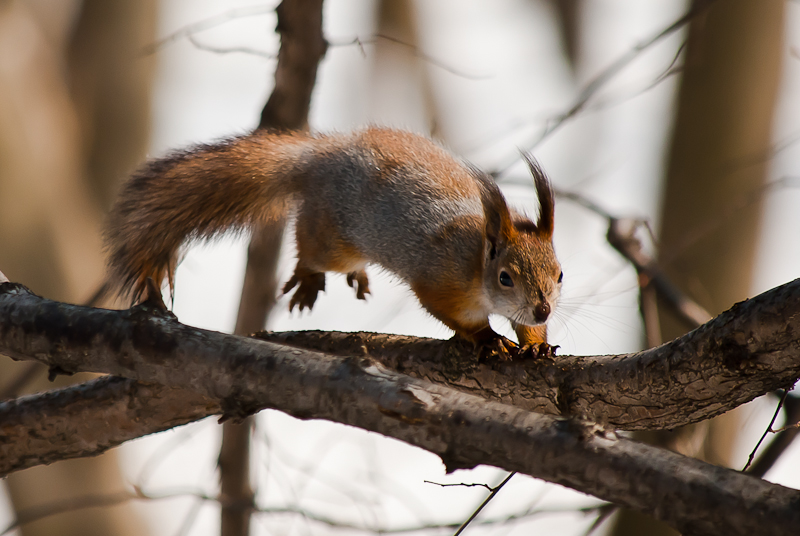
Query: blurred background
(693, 128)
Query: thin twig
(491, 496)
(604, 512)
(72, 504)
(621, 236)
(787, 428)
(415, 51)
(462, 485)
(207, 24)
(604, 77)
(430, 59)
(671, 70)
(704, 229)
(191, 30)
(767, 431)
(190, 517)
(784, 437)
(230, 50)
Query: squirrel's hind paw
(359, 277)
(310, 284)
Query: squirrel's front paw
(359, 277)
(539, 350)
(504, 349)
(306, 294)
(499, 348)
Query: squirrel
(381, 196)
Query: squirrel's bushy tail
(197, 194)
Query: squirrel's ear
(544, 192)
(499, 228)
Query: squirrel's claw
(499, 348)
(540, 350)
(492, 345)
(359, 277)
(495, 346)
(310, 284)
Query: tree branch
(90, 418)
(746, 352)
(753, 344)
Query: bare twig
(590, 89)
(190, 32)
(417, 53)
(621, 236)
(604, 512)
(671, 70)
(229, 50)
(460, 485)
(486, 501)
(44, 511)
(648, 305)
(784, 438)
(788, 427)
(207, 24)
(29, 515)
(768, 430)
(708, 227)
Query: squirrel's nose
(541, 311)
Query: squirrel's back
(395, 196)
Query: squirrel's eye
(505, 279)
(560, 277)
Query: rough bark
(90, 418)
(749, 350)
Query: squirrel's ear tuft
(499, 228)
(545, 194)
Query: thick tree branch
(755, 342)
(744, 353)
(747, 351)
(90, 418)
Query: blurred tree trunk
(721, 136)
(302, 48)
(568, 12)
(110, 82)
(74, 117)
(400, 85)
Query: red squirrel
(378, 196)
